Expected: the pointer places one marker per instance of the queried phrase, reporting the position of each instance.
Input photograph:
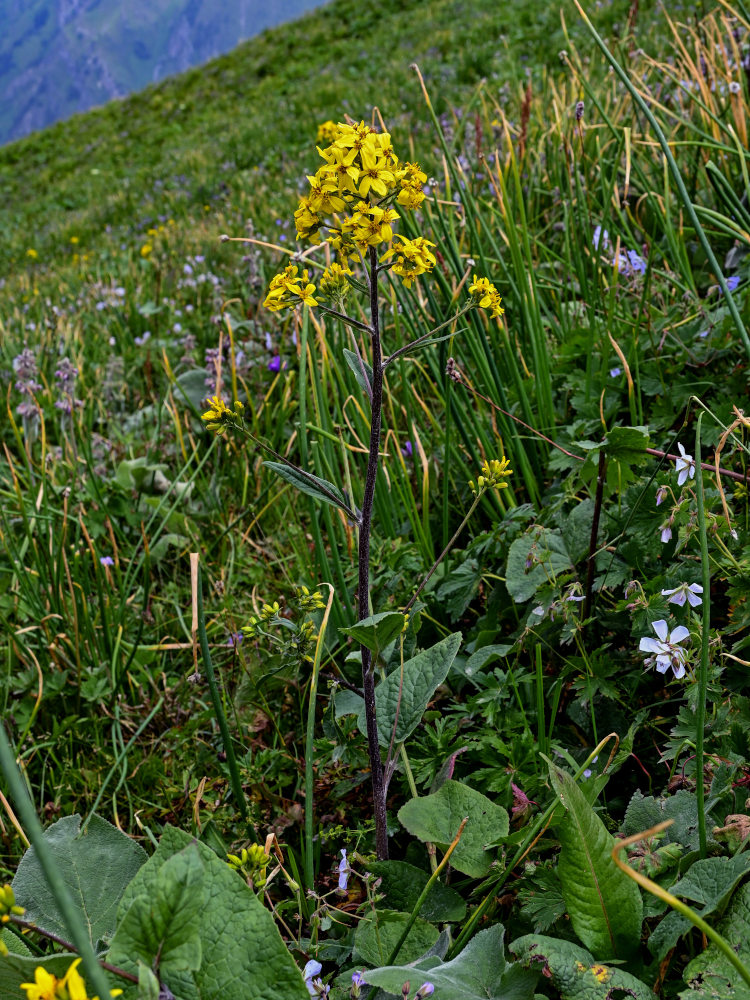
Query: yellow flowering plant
(351, 210)
(71, 987)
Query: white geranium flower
(684, 466)
(668, 653)
(685, 592)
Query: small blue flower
(274, 365)
(344, 871)
(614, 372)
(733, 282)
(107, 561)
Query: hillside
(59, 57)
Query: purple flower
(425, 990)
(312, 969)
(733, 282)
(407, 451)
(106, 560)
(614, 372)
(661, 494)
(685, 592)
(274, 365)
(358, 979)
(668, 653)
(140, 341)
(344, 871)
(666, 532)
(235, 639)
(601, 236)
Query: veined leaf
(711, 974)
(377, 631)
(377, 936)
(364, 378)
(402, 884)
(605, 906)
(306, 482)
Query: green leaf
(436, 819)
(148, 984)
(306, 482)
(644, 811)
(456, 592)
(376, 937)
(405, 703)
(710, 882)
(244, 957)
(479, 972)
(161, 926)
(355, 364)
(97, 866)
(605, 906)
(711, 974)
(574, 972)
(549, 558)
(402, 884)
(377, 631)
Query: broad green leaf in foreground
(574, 972)
(710, 883)
(402, 884)
(377, 631)
(161, 926)
(244, 957)
(605, 906)
(376, 937)
(436, 819)
(711, 974)
(97, 866)
(422, 675)
(479, 972)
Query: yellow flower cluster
(334, 285)
(492, 476)
(413, 257)
(289, 288)
(308, 601)
(220, 416)
(486, 296)
(327, 132)
(49, 987)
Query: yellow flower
(146, 250)
(413, 257)
(285, 286)
(412, 180)
(334, 285)
(486, 296)
(74, 239)
(307, 221)
(492, 476)
(31, 252)
(372, 224)
(327, 132)
(376, 174)
(49, 987)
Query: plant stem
(363, 589)
(700, 713)
(445, 551)
(310, 745)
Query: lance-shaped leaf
(377, 631)
(574, 972)
(161, 928)
(479, 972)
(306, 482)
(605, 906)
(97, 865)
(405, 702)
(436, 818)
(362, 371)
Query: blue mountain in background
(58, 57)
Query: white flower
(684, 466)
(666, 532)
(690, 592)
(668, 653)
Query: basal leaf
(244, 957)
(97, 866)
(605, 906)
(479, 972)
(162, 926)
(377, 936)
(574, 973)
(436, 819)
(405, 703)
(377, 631)
(306, 482)
(402, 884)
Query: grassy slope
(259, 106)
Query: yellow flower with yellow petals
(486, 296)
(492, 476)
(49, 987)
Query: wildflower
(327, 132)
(734, 87)
(413, 257)
(344, 872)
(601, 236)
(106, 561)
(668, 653)
(614, 372)
(491, 477)
(425, 990)
(146, 250)
(8, 904)
(684, 466)
(521, 802)
(285, 286)
(486, 296)
(31, 252)
(220, 416)
(49, 987)
(358, 981)
(312, 969)
(666, 531)
(685, 592)
(661, 494)
(580, 108)
(733, 282)
(335, 285)
(274, 365)
(408, 450)
(308, 601)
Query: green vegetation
(183, 653)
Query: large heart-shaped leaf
(96, 865)
(376, 937)
(437, 818)
(605, 906)
(377, 631)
